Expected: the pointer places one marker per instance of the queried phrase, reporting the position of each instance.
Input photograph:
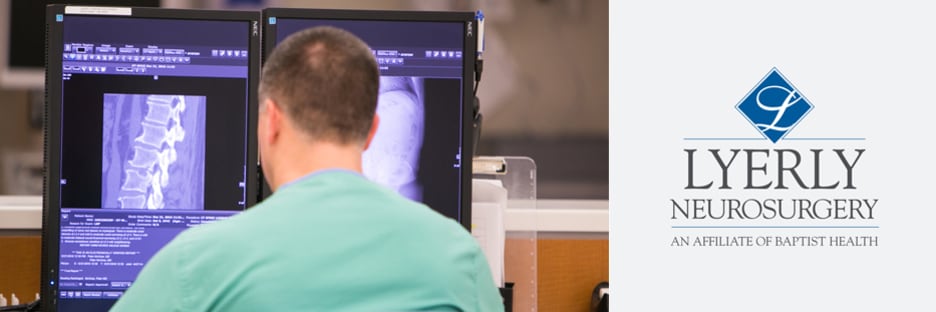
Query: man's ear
(272, 120)
(373, 131)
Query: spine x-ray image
(393, 156)
(153, 153)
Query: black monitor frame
(468, 75)
(53, 118)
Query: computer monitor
(423, 147)
(151, 118)
(22, 38)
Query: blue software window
(140, 100)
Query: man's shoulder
(216, 235)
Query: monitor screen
(426, 63)
(151, 130)
(22, 35)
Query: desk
(572, 248)
(20, 215)
(572, 251)
(20, 246)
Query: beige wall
(17, 137)
(14, 121)
(560, 81)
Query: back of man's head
(326, 81)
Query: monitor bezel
(53, 117)
(468, 71)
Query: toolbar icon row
(127, 58)
(443, 54)
(229, 53)
(86, 69)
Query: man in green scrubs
(327, 239)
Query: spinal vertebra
(162, 135)
(136, 181)
(135, 201)
(161, 109)
(144, 158)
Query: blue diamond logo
(774, 106)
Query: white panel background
(678, 68)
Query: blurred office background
(544, 92)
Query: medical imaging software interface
(141, 99)
(417, 148)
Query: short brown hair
(326, 81)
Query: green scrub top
(331, 241)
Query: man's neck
(299, 160)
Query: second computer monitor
(422, 148)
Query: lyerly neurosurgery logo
(774, 106)
(739, 185)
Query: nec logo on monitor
(774, 106)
